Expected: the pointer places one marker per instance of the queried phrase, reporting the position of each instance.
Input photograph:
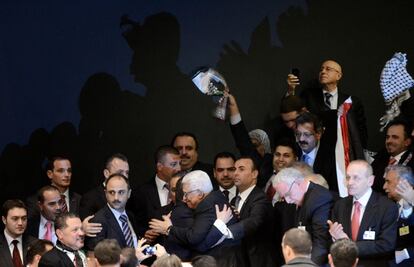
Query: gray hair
(318, 179)
(198, 180)
(302, 167)
(288, 176)
(403, 172)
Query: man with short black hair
(49, 202)
(13, 242)
(297, 247)
(67, 252)
(343, 253)
(224, 174)
(116, 222)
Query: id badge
(404, 230)
(369, 235)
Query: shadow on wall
(117, 120)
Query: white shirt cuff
(234, 119)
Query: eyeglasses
(189, 192)
(329, 69)
(290, 188)
(305, 135)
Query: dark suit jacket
(381, 162)
(380, 216)
(246, 148)
(405, 241)
(146, 205)
(204, 216)
(110, 228)
(300, 262)
(5, 256)
(314, 100)
(92, 201)
(55, 258)
(313, 214)
(33, 207)
(181, 216)
(33, 225)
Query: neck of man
(163, 177)
(14, 236)
(60, 188)
(330, 87)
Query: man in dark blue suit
(367, 217)
(314, 204)
(404, 252)
(200, 197)
(115, 221)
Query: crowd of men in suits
(264, 208)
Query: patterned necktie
(126, 231)
(64, 206)
(78, 260)
(355, 220)
(328, 99)
(17, 261)
(226, 194)
(48, 233)
(237, 202)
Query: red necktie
(355, 220)
(392, 161)
(270, 192)
(345, 132)
(64, 206)
(48, 233)
(17, 261)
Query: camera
(150, 250)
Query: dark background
(72, 84)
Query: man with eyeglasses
(116, 222)
(152, 199)
(199, 196)
(313, 203)
(342, 116)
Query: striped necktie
(126, 230)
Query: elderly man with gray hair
(200, 197)
(313, 202)
(396, 175)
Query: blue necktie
(305, 158)
(126, 230)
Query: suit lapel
(246, 202)
(113, 222)
(341, 98)
(4, 250)
(155, 198)
(347, 216)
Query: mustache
(303, 143)
(116, 202)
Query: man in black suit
(397, 151)
(187, 144)
(367, 217)
(59, 171)
(404, 252)
(67, 251)
(13, 241)
(95, 199)
(224, 174)
(152, 199)
(41, 225)
(327, 99)
(314, 204)
(200, 197)
(297, 247)
(116, 222)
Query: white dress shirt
(163, 192)
(232, 191)
(363, 201)
(43, 228)
(10, 239)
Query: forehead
(184, 141)
(396, 130)
(116, 183)
(59, 163)
(243, 163)
(171, 157)
(73, 222)
(305, 127)
(51, 195)
(331, 64)
(392, 176)
(289, 115)
(283, 150)
(356, 169)
(17, 212)
(220, 162)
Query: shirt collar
(398, 157)
(117, 213)
(10, 239)
(233, 189)
(43, 221)
(365, 197)
(160, 183)
(243, 195)
(313, 152)
(332, 93)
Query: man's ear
(59, 233)
(106, 173)
(3, 219)
(49, 174)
